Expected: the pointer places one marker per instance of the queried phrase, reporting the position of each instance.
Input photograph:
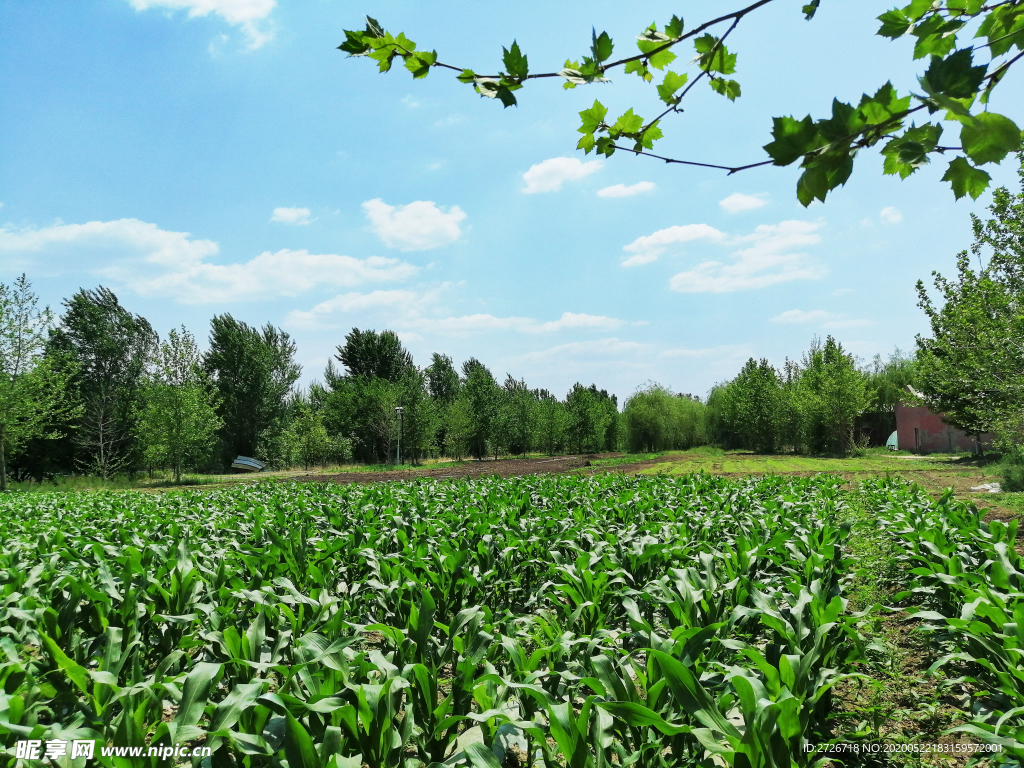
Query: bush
(1012, 469)
(657, 419)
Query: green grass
(741, 462)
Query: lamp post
(399, 410)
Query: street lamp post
(399, 410)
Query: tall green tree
(379, 376)
(516, 419)
(443, 384)
(947, 112)
(483, 395)
(254, 371)
(834, 394)
(970, 368)
(552, 422)
(372, 355)
(442, 379)
(111, 349)
(591, 412)
(33, 392)
(757, 391)
(179, 422)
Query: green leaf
(955, 75)
(515, 61)
(419, 63)
(903, 155)
(714, 57)
(627, 123)
(989, 138)
(894, 24)
(793, 139)
(812, 184)
(298, 747)
(494, 89)
(479, 756)
(935, 36)
(728, 88)
(649, 45)
(675, 27)
(601, 46)
(75, 672)
(1004, 28)
(355, 44)
(638, 716)
(966, 179)
(195, 692)
(640, 68)
(593, 117)
(881, 107)
(672, 83)
(467, 76)
(810, 9)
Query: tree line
(96, 391)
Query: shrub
(1012, 469)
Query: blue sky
(210, 156)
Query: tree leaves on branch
(956, 85)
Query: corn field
(967, 581)
(542, 621)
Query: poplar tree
(33, 391)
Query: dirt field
(502, 467)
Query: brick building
(921, 431)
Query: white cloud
(417, 226)
(585, 351)
(550, 175)
(242, 13)
(891, 215)
(728, 351)
(797, 316)
(486, 322)
(737, 202)
(827, 320)
(649, 247)
(621, 190)
(419, 310)
(402, 302)
(292, 215)
(150, 260)
(770, 259)
(838, 325)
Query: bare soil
(484, 467)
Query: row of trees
(451, 412)
(98, 392)
(826, 402)
(823, 403)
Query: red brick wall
(920, 430)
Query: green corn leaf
(298, 746)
